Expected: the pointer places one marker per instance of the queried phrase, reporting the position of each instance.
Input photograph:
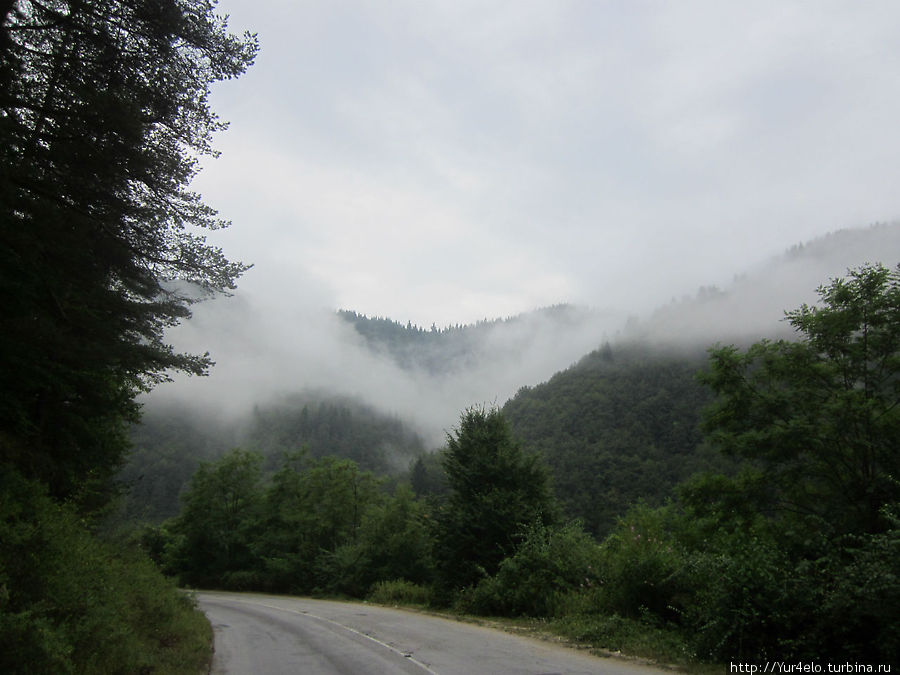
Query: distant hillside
(331, 425)
(171, 442)
(752, 306)
(621, 424)
(442, 351)
(618, 427)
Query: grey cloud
(583, 143)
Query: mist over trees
(266, 347)
(458, 348)
(266, 351)
(170, 443)
(614, 426)
(751, 305)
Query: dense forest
(619, 427)
(170, 442)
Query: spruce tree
(103, 116)
(496, 491)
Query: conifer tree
(496, 490)
(103, 115)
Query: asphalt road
(263, 634)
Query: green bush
(342, 571)
(242, 580)
(860, 611)
(399, 592)
(742, 594)
(642, 568)
(73, 603)
(549, 563)
(395, 540)
(839, 601)
(863, 605)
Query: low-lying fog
(266, 346)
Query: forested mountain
(618, 427)
(441, 351)
(170, 443)
(265, 347)
(620, 495)
(408, 386)
(621, 425)
(329, 425)
(781, 536)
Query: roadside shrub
(860, 612)
(738, 612)
(631, 636)
(549, 563)
(839, 601)
(399, 592)
(243, 580)
(395, 540)
(71, 602)
(342, 571)
(642, 568)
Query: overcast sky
(447, 161)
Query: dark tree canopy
(496, 491)
(819, 417)
(619, 426)
(103, 115)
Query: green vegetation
(816, 422)
(318, 526)
(172, 441)
(789, 552)
(104, 113)
(549, 564)
(399, 592)
(495, 491)
(71, 602)
(621, 425)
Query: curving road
(262, 634)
